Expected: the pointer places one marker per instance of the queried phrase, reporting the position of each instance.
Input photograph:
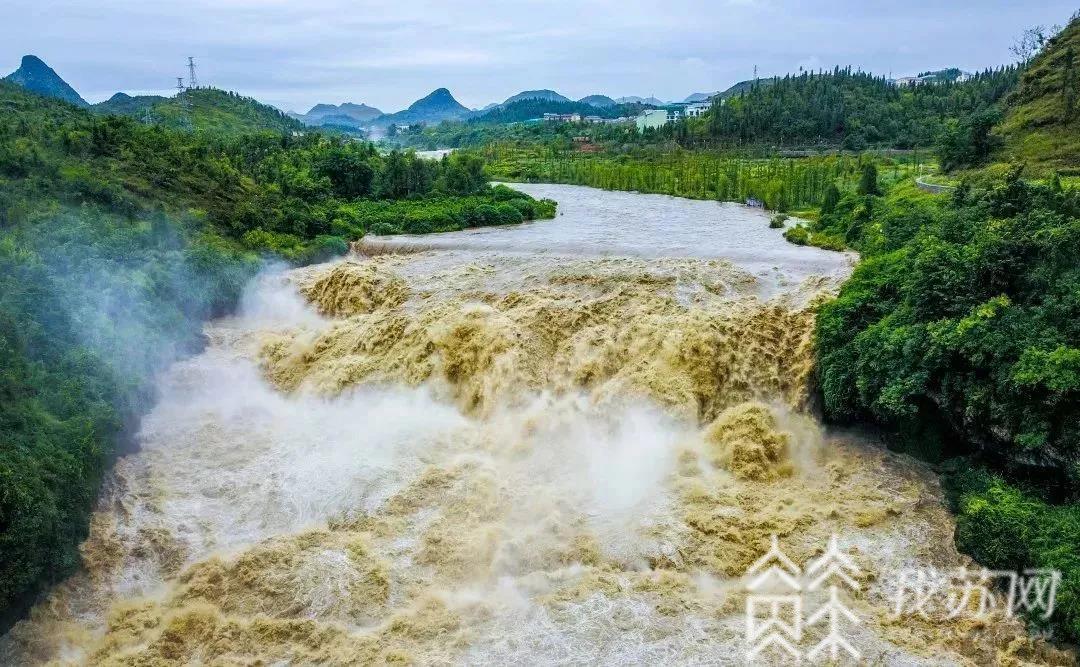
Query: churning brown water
(558, 443)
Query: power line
(184, 102)
(192, 81)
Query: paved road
(933, 187)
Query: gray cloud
(294, 54)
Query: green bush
(1006, 528)
(798, 235)
(827, 242)
(384, 229)
(778, 220)
(323, 248)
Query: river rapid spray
(476, 455)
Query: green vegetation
(207, 110)
(510, 124)
(503, 207)
(91, 303)
(817, 111)
(1042, 121)
(1010, 528)
(782, 183)
(852, 109)
(118, 238)
(960, 333)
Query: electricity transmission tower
(184, 102)
(192, 81)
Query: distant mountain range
(699, 97)
(437, 106)
(360, 112)
(34, 75)
(345, 114)
(547, 95)
(237, 113)
(598, 101)
(346, 117)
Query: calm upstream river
(595, 222)
(563, 442)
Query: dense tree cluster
(210, 110)
(780, 183)
(960, 332)
(854, 109)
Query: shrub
(324, 248)
(417, 226)
(384, 229)
(798, 235)
(1004, 527)
(508, 215)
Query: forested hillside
(959, 332)
(117, 239)
(816, 111)
(852, 109)
(220, 112)
(1042, 122)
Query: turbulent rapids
(468, 449)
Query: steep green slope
(1042, 123)
(34, 75)
(207, 110)
(853, 109)
(221, 112)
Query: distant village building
(562, 117)
(698, 109)
(652, 119)
(932, 78)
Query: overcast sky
(295, 53)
